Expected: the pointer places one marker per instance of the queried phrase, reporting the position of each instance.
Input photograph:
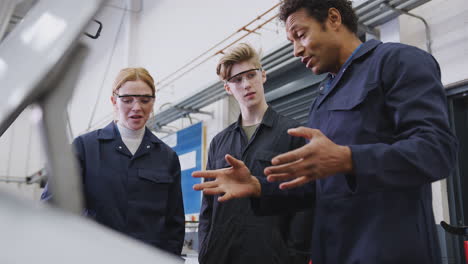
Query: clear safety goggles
(131, 99)
(245, 75)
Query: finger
(290, 167)
(197, 187)
(295, 183)
(304, 132)
(200, 186)
(213, 191)
(289, 171)
(209, 174)
(292, 155)
(205, 185)
(280, 177)
(225, 197)
(235, 163)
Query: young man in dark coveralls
(230, 232)
(378, 137)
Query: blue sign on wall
(189, 149)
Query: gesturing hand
(320, 158)
(233, 182)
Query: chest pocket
(263, 160)
(344, 100)
(151, 188)
(347, 114)
(161, 176)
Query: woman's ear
(264, 77)
(113, 101)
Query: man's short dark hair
(318, 9)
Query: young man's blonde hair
(240, 53)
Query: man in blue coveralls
(378, 137)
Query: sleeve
(424, 148)
(299, 236)
(78, 150)
(206, 209)
(175, 216)
(274, 201)
(299, 224)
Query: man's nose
(245, 83)
(298, 49)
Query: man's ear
(227, 88)
(264, 77)
(334, 18)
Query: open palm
(233, 182)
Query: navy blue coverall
(388, 105)
(139, 195)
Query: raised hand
(318, 159)
(233, 182)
